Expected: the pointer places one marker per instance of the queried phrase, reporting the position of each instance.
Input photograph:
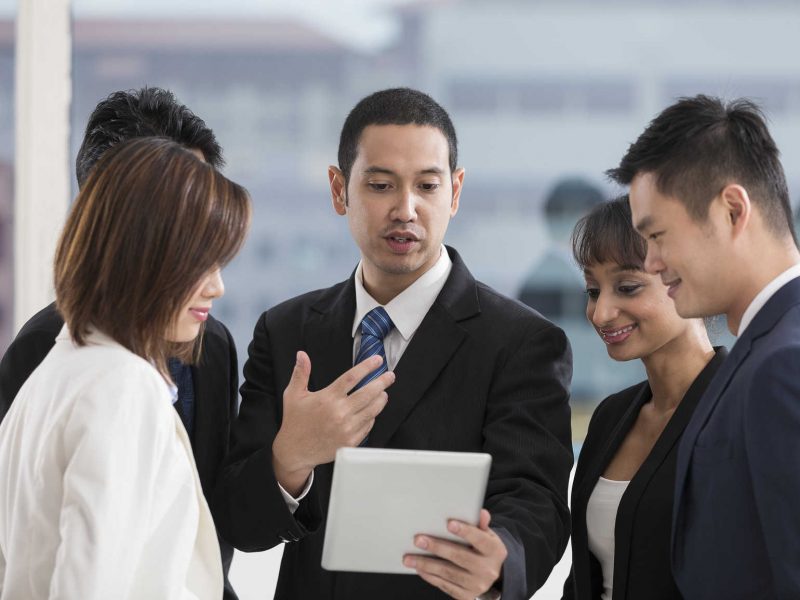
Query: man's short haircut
(396, 106)
(150, 221)
(697, 146)
(150, 111)
(607, 235)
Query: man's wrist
(292, 476)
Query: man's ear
(338, 190)
(458, 184)
(738, 209)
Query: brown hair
(150, 221)
(606, 234)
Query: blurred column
(42, 174)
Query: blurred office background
(545, 96)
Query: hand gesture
(316, 424)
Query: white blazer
(99, 494)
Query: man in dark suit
(207, 395)
(469, 370)
(709, 194)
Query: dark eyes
(378, 186)
(624, 290)
(655, 236)
(628, 289)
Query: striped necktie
(374, 327)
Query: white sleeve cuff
(294, 503)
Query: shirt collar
(409, 307)
(765, 294)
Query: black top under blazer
(644, 517)
(215, 380)
(483, 373)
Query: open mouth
(616, 336)
(401, 242)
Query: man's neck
(757, 275)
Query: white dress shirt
(406, 310)
(100, 495)
(764, 295)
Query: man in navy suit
(709, 194)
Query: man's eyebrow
(431, 171)
(644, 223)
(376, 169)
(386, 171)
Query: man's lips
(616, 335)
(401, 242)
(672, 287)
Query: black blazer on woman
(644, 518)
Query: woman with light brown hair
(100, 496)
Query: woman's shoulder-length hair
(150, 221)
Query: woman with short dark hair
(100, 495)
(623, 487)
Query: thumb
(302, 371)
(483, 522)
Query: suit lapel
(434, 343)
(328, 336)
(639, 396)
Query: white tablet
(380, 499)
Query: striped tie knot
(376, 323)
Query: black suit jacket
(642, 530)
(737, 488)
(482, 373)
(215, 381)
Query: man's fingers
(485, 541)
(448, 588)
(448, 577)
(298, 383)
(458, 554)
(366, 397)
(349, 379)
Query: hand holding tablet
(381, 500)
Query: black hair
(607, 235)
(150, 111)
(396, 106)
(697, 146)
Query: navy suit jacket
(736, 516)
(483, 373)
